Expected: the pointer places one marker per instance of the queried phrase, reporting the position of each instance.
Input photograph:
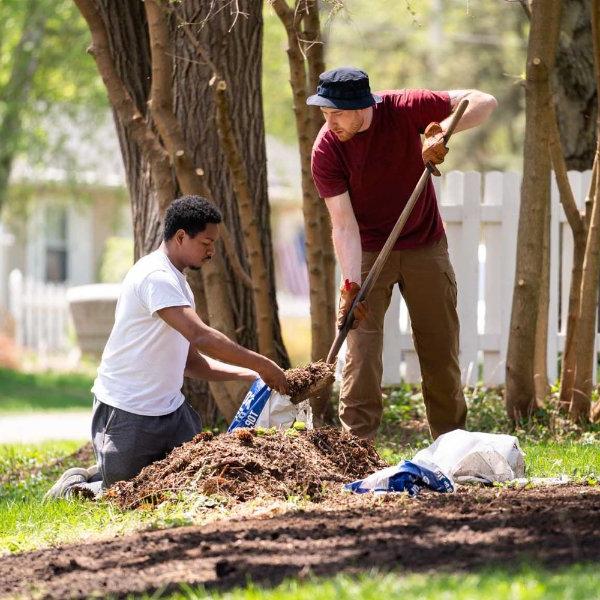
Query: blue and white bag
(404, 477)
(263, 407)
(455, 457)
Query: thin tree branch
(574, 217)
(250, 227)
(161, 102)
(125, 106)
(189, 176)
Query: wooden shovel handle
(373, 274)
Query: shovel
(317, 387)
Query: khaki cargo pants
(427, 283)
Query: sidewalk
(39, 426)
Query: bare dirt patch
(474, 528)
(244, 465)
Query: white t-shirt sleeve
(160, 290)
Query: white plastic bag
(455, 457)
(263, 407)
(474, 456)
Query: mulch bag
(455, 457)
(472, 456)
(263, 407)
(405, 477)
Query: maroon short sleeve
(327, 170)
(424, 106)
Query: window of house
(56, 244)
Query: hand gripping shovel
(373, 274)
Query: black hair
(190, 213)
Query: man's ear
(179, 235)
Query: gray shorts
(124, 443)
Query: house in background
(64, 207)
(75, 200)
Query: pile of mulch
(301, 378)
(244, 465)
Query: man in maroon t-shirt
(366, 162)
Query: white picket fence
(481, 215)
(41, 314)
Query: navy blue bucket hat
(346, 88)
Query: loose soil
(300, 378)
(471, 529)
(246, 465)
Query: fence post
(493, 360)
(553, 324)
(15, 303)
(511, 200)
(391, 340)
(464, 190)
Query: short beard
(353, 130)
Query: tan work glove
(348, 292)
(434, 147)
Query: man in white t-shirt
(140, 414)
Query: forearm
(209, 369)
(346, 241)
(481, 106)
(213, 344)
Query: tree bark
(540, 358)
(586, 330)
(228, 301)
(237, 55)
(578, 226)
(305, 58)
(315, 58)
(535, 195)
(575, 85)
(249, 222)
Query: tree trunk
(305, 58)
(575, 86)
(232, 311)
(126, 26)
(586, 330)
(238, 57)
(535, 195)
(315, 57)
(540, 358)
(569, 358)
(25, 58)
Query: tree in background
(305, 51)
(40, 66)
(576, 95)
(535, 195)
(166, 119)
(585, 329)
(575, 87)
(443, 44)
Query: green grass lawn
(579, 582)
(26, 471)
(25, 392)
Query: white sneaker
(70, 477)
